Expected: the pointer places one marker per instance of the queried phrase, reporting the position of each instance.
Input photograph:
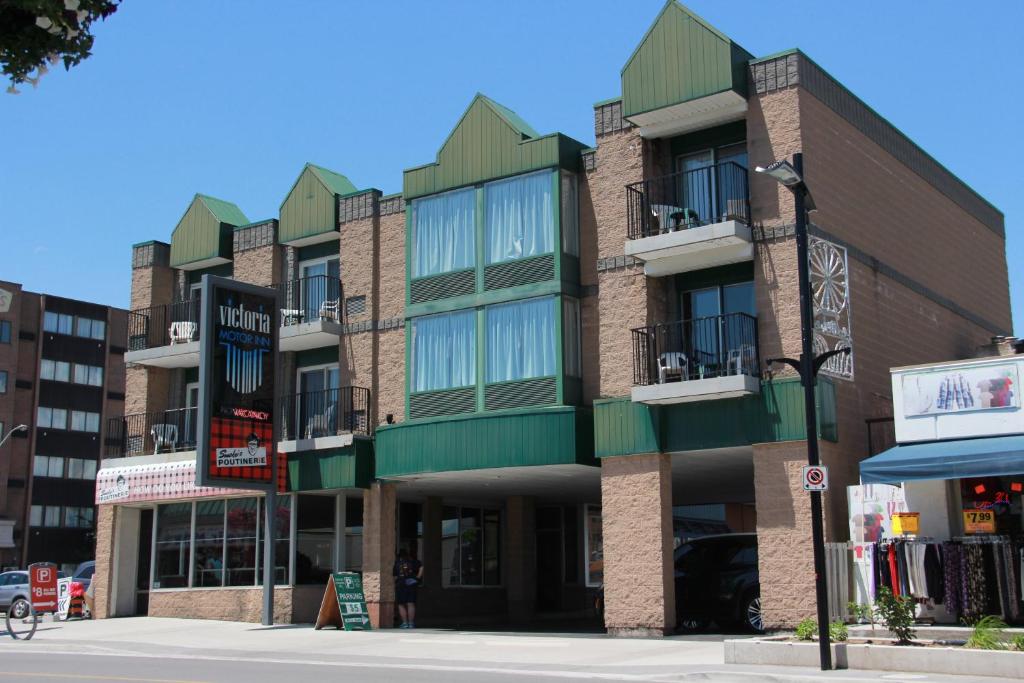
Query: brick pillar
(636, 509)
(521, 558)
(784, 549)
(105, 515)
(379, 542)
(153, 284)
(257, 257)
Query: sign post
(237, 426)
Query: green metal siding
(489, 141)
(681, 58)
(201, 234)
(622, 427)
(223, 270)
(546, 436)
(321, 356)
(311, 207)
(312, 251)
(341, 468)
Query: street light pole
(19, 428)
(808, 365)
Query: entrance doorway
(143, 562)
(549, 559)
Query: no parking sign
(815, 478)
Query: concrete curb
(947, 660)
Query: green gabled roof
(335, 182)
(681, 58)
(489, 141)
(223, 211)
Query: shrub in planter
(987, 634)
(1018, 643)
(806, 629)
(897, 613)
(837, 632)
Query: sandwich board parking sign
(815, 478)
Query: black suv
(716, 580)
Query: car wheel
(753, 619)
(19, 608)
(692, 624)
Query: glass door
(319, 287)
(731, 171)
(318, 403)
(696, 186)
(704, 333)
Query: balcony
(310, 312)
(690, 220)
(165, 336)
(324, 419)
(696, 360)
(166, 431)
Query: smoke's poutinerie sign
(236, 384)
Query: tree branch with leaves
(38, 34)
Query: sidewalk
(680, 658)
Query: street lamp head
(20, 428)
(782, 171)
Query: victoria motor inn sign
(236, 385)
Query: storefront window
(282, 549)
(354, 533)
(242, 532)
(595, 547)
(1000, 496)
(470, 547)
(173, 534)
(209, 551)
(314, 539)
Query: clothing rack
(991, 538)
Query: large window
(47, 466)
(444, 351)
(521, 340)
(282, 549)
(570, 215)
(3, 381)
(53, 418)
(470, 547)
(82, 421)
(314, 539)
(209, 547)
(444, 233)
(173, 537)
(571, 332)
(5, 331)
(520, 217)
(242, 530)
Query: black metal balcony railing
(688, 199)
(165, 431)
(701, 348)
(317, 297)
(176, 323)
(330, 412)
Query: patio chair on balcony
(323, 424)
(164, 435)
(292, 316)
(183, 332)
(742, 360)
(329, 310)
(671, 367)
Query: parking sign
(42, 577)
(815, 478)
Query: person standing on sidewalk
(408, 573)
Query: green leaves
(37, 34)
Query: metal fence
(317, 297)
(165, 431)
(176, 323)
(330, 412)
(687, 199)
(700, 348)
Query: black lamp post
(807, 366)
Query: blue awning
(954, 459)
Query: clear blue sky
(231, 98)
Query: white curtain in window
(444, 234)
(444, 351)
(520, 217)
(521, 340)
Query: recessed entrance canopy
(953, 459)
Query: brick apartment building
(61, 375)
(542, 364)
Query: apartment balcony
(696, 360)
(162, 432)
(329, 418)
(165, 336)
(690, 220)
(307, 421)
(310, 312)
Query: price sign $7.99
(979, 522)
